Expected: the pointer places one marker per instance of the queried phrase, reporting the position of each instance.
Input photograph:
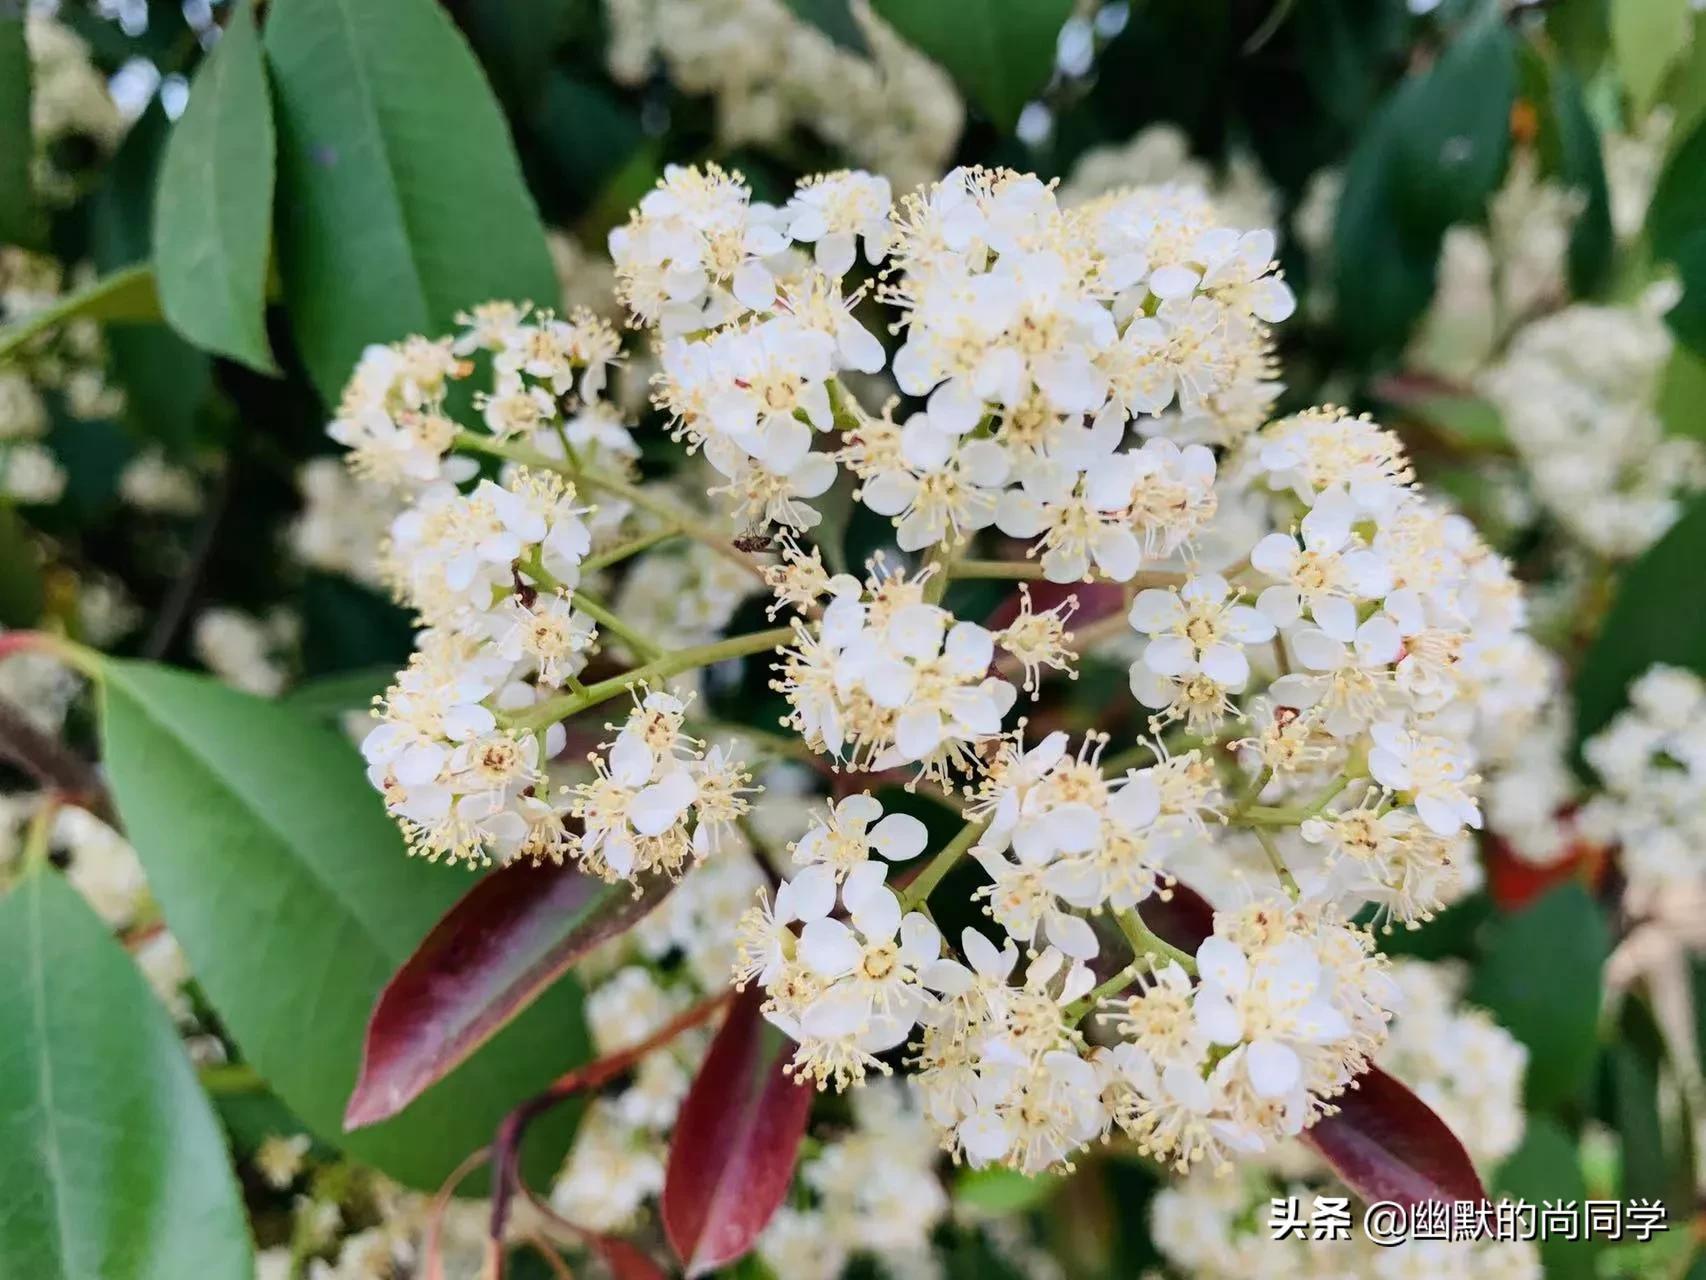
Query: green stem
(1266, 839)
(926, 880)
(1256, 787)
(664, 507)
(671, 509)
(643, 648)
(562, 707)
(624, 550)
(1145, 942)
(1112, 987)
(1032, 570)
(943, 560)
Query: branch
(52, 765)
(506, 1148)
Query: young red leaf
(626, 1261)
(1182, 920)
(736, 1141)
(514, 934)
(1387, 1144)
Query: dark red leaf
(736, 1141)
(1096, 600)
(1183, 920)
(515, 933)
(626, 1261)
(1387, 1144)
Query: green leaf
(999, 1192)
(1659, 616)
(1546, 1167)
(1678, 210)
(291, 893)
(1001, 52)
(115, 1166)
(1682, 394)
(835, 19)
(1647, 39)
(1429, 157)
(20, 219)
(1541, 979)
(1452, 136)
(127, 295)
(326, 697)
(1382, 275)
(213, 204)
(1676, 225)
(401, 201)
(1570, 146)
(21, 590)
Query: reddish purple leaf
(514, 934)
(1183, 920)
(1387, 1144)
(626, 1261)
(736, 1140)
(1096, 600)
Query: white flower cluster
(248, 653)
(1578, 392)
(616, 1165)
(1061, 838)
(68, 100)
(658, 801)
(771, 73)
(1651, 762)
(1217, 1229)
(1032, 333)
(1290, 1007)
(342, 523)
(885, 678)
(1456, 1059)
(1327, 654)
(874, 1192)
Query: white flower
(855, 829)
(1199, 628)
(1434, 773)
(1329, 573)
(834, 211)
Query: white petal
(899, 836)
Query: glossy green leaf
(20, 220)
(213, 204)
(1659, 615)
(1676, 225)
(1452, 135)
(1570, 145)
(1647, 39)
(291, 893)
(1682, 394)
(401, 201)
(125, 295)
(1001, 52)
(835, 19)
(1546, 1167)
(1383, 276)
(1678, 210)
(21, 590)
(114, 1163)
(1001, 1191)
(1540, 977)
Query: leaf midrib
(52, 1154)
(263, 814)
(370, 113)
